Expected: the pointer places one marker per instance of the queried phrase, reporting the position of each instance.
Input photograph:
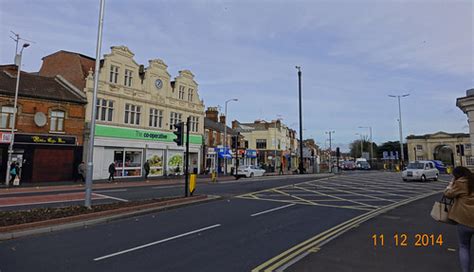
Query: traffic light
(461, 147)
(234, 141)
(338, 152)
(179, 133)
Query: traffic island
(14, 224)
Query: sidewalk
(355, 251)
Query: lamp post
(330, 148)
(361, 144)
(225, 133)
(275, 142)
(301, 120)
(15, 106)
(371, 143)
(400, 125)
(90, 154)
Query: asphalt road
(239, 233)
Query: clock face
(158, 84)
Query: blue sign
(223, 152)
(385, 155)
(251, 153)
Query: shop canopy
(223, 153)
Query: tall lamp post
(330, 148)
(361, 144)
(275, 142)
(370, 142)
(15, 107)
(301, 168)
(225, 133)
(90, 148)
(400, 125)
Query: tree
(355, 151)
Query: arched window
(6, 118)
(56, 120)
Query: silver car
(250, 171)
(420, 170)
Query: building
(466, 104)
(137, 107)
(49, 125)
(276, 144)
(439, 146)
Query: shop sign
(5, 137)
(45, 139)
(140, 134)
(250, 153)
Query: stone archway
(445, 154)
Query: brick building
(49, 125)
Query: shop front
(43, 157)
(130, 148)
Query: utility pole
(400, 126)
(301, 121)
(90, 154)
(330, 148)
(186, 167)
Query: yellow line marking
(343, 199)
(293, 196)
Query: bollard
(192, 183)
(213, 176)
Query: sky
(352, 53)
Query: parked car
(349, 165)
(250, 171)
(440, 166)
(363, 165)
(420, 170)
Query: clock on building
(158, 83)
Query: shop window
(6, 119)
(114, 70)
(156, 118)
(57, 121)
(104, 110)
(128, 163)
(132, 114)
(128, 78)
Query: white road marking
(166, 187)
(111, 197)
(156, 242)
(272, 210)
(112, 191)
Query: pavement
(243, 232)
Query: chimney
(222, 119)
(212, 113)
(235, 124)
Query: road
(252, 230)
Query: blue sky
(352, 53)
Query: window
(419, 147)
(132, 114)
(156, 118)
(128, 78)
(261, 143)
(190, 94)
(467, 146)
(181, 92)
(419, 158)
(194, 123)
(113, 73)
(6, 120)
(246, 144)
(174, 118)
(57, 121)
(105, 109)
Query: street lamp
(400, 124)
(330, 148)
(225, 133)
(361, 144)
(15, 109)
(370, 142)
(275, 142)
(301, 120)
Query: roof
(35, 86)
(450, 135)
(217, 126)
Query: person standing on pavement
(111, 171)
(81, 170)
(146, 167)
(461, 189)
(13, 172)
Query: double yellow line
(291, 255)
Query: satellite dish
(40, 119)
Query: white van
(420, 170)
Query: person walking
(13, 172)
(461, 189)
(146, 167)
(111, 171)
(81, 170)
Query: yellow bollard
(213, 176)
(449, 170)
(192, 183)
(397, 168)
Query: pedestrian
(111, 171)
(13, 172)
(146, 166)
(81, 170)
(281, 169)
(461, 189)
